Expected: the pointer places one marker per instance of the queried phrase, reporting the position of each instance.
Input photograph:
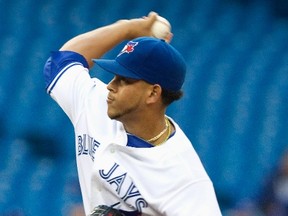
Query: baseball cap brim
(116, 68)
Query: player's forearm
(96, 43)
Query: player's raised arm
(95, 43)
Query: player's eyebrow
(128, 80)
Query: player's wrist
(139, 28)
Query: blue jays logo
(129, 47)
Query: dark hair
(170, 96)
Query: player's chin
(112, 115)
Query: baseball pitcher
(132, 158)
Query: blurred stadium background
(234, 109)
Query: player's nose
(111, 85)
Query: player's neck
(149, 127)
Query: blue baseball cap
(149, 59)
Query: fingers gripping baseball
(152, 25)
(160, 27)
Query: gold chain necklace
(168, 135)
(161, 133)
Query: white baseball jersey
(120, 170)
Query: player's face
(126, 98)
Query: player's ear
(154, 94)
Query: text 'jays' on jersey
(118, 169)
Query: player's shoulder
(59, 62)
(68, 56)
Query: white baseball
(161, 28)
